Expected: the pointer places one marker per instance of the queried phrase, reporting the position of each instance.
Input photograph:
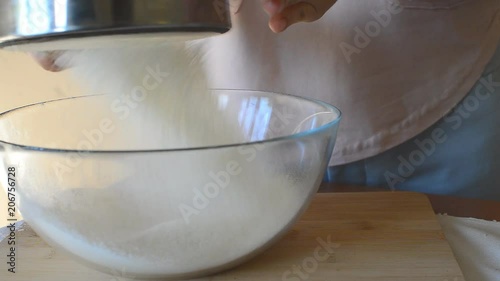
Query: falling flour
(151, 215)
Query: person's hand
(284, 13)
(47, 60)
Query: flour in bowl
(166, 213)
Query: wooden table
(380, 236)
(453, 206)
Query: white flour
(132, 221)
(161, 90)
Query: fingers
(300, 12)
(47, 60)
(285, 13)
(272, 7)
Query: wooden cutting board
(343, 236)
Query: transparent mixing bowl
(103, 186)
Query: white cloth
(415, 63)
(476, 245)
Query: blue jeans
(459, 155)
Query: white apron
(393, 68)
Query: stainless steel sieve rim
(33, 21)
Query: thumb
(300, 12)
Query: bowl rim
(307, 133)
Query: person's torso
(393, 68)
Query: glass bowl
(100, 183)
